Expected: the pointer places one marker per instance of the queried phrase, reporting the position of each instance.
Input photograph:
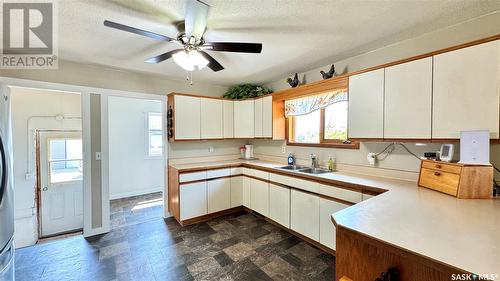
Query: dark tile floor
(136, 209)
(235, 247)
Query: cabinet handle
(438, 166)
(437, 174)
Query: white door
(408, 98)
(366, 105)
(193, 199)
(258, 118)
(219, 194)
(61, 178)
(267, 117)
(187, 114)
(327, 230)
(279, 204)
(244, 123)
(304, 214)
(228, 119)
(211, 118)
(259, 196)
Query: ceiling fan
(190, 37)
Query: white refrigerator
(6, 189)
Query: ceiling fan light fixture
(189, 59)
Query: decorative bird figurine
(328, 74)
(293, 82)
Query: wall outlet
(98, 156)
(371, 158)
(283, 149)
(211, 149)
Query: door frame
(38, 180)
(85, 92)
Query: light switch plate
(98, 156)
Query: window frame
(148, 131)
(333, 143)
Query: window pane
(336, 121)
(306, 128)
(65, 160)
(155, 121)
(155, 143)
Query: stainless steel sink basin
(292, 167)
(314, 171)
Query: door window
(65, 160)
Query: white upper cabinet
(228, 119)
(211, 118)
(267, 117)
(466, 91)
(187, 117)
(244, 119)
(258, 118)
(408, 98)
(366, 105)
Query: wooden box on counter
(460, 180)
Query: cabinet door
(228, 119)
(193, 200)
(408, 98)
(258, 118)
(219, 194)
(244, 119)
(466, 91)
(259, 195)
(304, 214)
(187, 117)
(279, 204)
(366, 105)
(246, 191)
(326, 226)
(211, 118)
(267, 117)
(236, 191)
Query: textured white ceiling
(296, 35)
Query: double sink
(304, 169)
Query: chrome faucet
(314, 161)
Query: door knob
(45, 188)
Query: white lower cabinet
(279, 204)
(259, 197)
(326, 227)
(236, 191)
(219, 194)
(246, 191)
(304, 214)
(193, 200)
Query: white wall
(475, 29)
(28, 105)
(131, 171)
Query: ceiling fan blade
(137, 31)
(162, 57)
(234, 47)
(212, 63)
(196, 18)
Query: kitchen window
(319, 120)
(154, 134)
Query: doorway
(60, 160)
(136, 160)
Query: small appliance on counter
(446, 152)
(247, 152)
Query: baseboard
(135, 193)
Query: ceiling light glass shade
(188, 60)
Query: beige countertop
(461, 233)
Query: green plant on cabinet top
(246, 91)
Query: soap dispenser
(291, 159)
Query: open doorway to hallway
(136, 160)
